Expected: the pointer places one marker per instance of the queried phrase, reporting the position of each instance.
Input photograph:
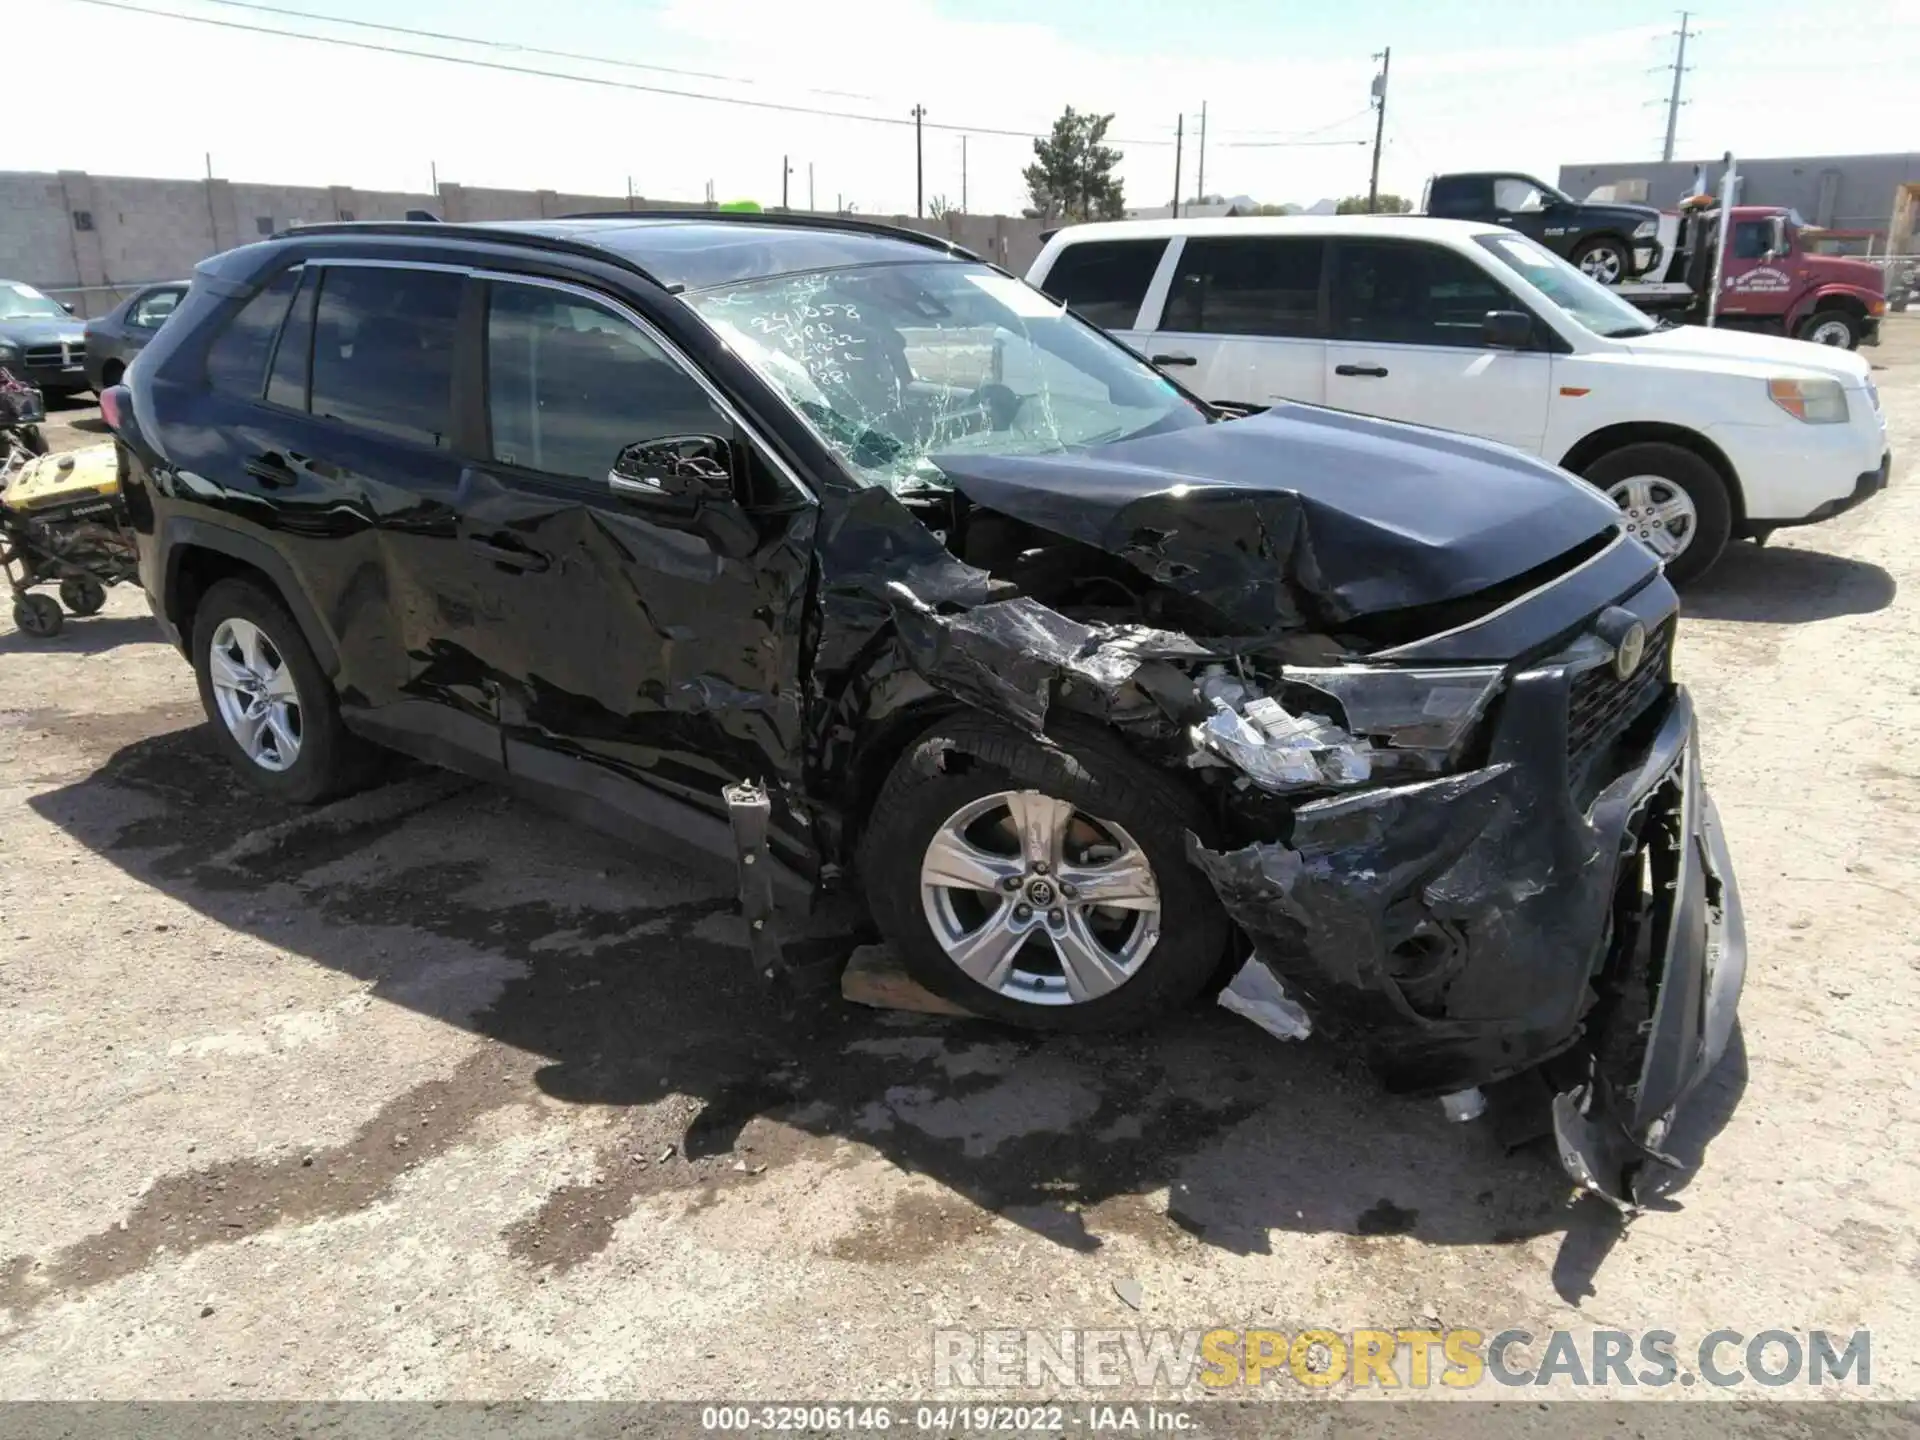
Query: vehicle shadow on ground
(1785, 585)
(84, 636)
(624, 988)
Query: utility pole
(963, 174)
(786, 170)
(1673, 101)
(1179, 133)
(1200, 186)
(809, 185)
(1385, 57)
(433, 169)
(919, 166)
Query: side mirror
(681, 470)
(1507, 329)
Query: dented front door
(640, 649)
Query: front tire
(1830, 327)
(1046, 886)
(272, 708)
(1671, 500)
(1604, 259)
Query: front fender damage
(1457, 925)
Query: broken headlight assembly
(1339, 727)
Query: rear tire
(307, 754)
(1132, 810)
(1830, 327)
(1670, 465)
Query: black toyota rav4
(842, 557)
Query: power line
(597, 80)
(511, 45)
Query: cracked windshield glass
(895, 366)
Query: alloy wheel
(1038, 901)
(1604, 264)
(255, 692)
(1658, 513)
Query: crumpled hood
(1300, 514)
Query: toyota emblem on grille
(1627, 637)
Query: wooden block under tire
(875, 977)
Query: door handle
(1377, 372)
(512, 557)
(270, 470)
(1177, 357)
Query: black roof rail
(801, 220)
(440, 230)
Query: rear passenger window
(1105, 280)
(383, 350)
(1252, 285)
(570, 384)
(1404, 292)
(237, 359)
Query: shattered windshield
(897, 365)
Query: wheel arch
(1645, 432)
(1845, 301)
(1625, 242)
(201, 555)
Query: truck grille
(1600, 706)
(52, 357)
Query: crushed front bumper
(1467, 929)
(1674, 965)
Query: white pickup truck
(1701, 436)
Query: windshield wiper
(1629, 332)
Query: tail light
(116, 403)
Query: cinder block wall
(92, 239)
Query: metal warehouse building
(1875, 197)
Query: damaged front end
(1469, 870)
(1453, 792)
(1565, 897)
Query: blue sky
(1492, 83)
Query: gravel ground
(429, 1094)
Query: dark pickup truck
(1610, 242)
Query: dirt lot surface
(429, 1094)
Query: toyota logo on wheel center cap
(1040, 892)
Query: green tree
(1072, 175)
(1388, 205)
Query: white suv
(1700, 435)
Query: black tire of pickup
(1830, 322)
(970, 757)
(1712, 505)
